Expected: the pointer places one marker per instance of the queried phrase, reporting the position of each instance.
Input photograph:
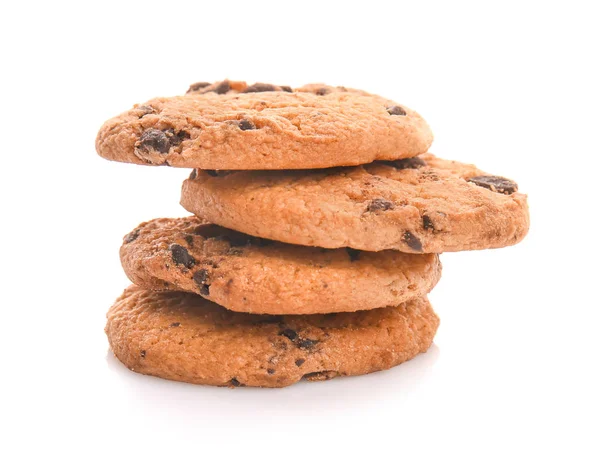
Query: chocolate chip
(143, 353)
(189, 239)
(322, 375)
(396, 111)
(144, 110)
(245, 125)
(299, 362)
(286, 88)
(175, 324)
(289, 333)
(353, 254)
(260, 87)
(322, 91)
(379, 204)
(175, 138)
(198, 86)
(200, 277)
(181, 256)
(270, 371)
(235, 382)
(408, 163)
(222, 88)
(131, 236)
(211, 173)
(412, 241)
(303, 343)
(495, 184)
(427, 223)
(306, 343)
(154, 139)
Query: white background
(512, 87)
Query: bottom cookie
(182, 336)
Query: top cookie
(230, 125)
(417, 205)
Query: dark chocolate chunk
(154, 139)
(198, 86)
(289, 333)
(200, 277)
(175, 138)
(193, 174)
(131, 236)
(235, 382)
(286, 88)
(143, 353)
(306, 343)
(379, 204)
(322, 91)
(412, 241)
(353, 254)
(222, 88)
(303, 343)
(322, 375)
(175, 324)
(495, 184)
(144, 110)
(181, 256)
(211, 173)
(408, 163)
(270, 371)
(260, 87)
(205, 290)
(189, 239)
(427, 223)
(299, 362)
(245, 125)
(396, 111)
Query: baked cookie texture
(230, 125)
(184, 337)
(422, 204)
(253, 275)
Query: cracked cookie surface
(416, 205)
(183, 337)
(230, 125)
(254, 275)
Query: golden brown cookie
(253, 275)
(230, 125)
(417, 205)
(181, 336)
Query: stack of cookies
(318, 220)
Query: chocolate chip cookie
(181, 336)
(230, 125)
(255, 275)
(417, 205)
